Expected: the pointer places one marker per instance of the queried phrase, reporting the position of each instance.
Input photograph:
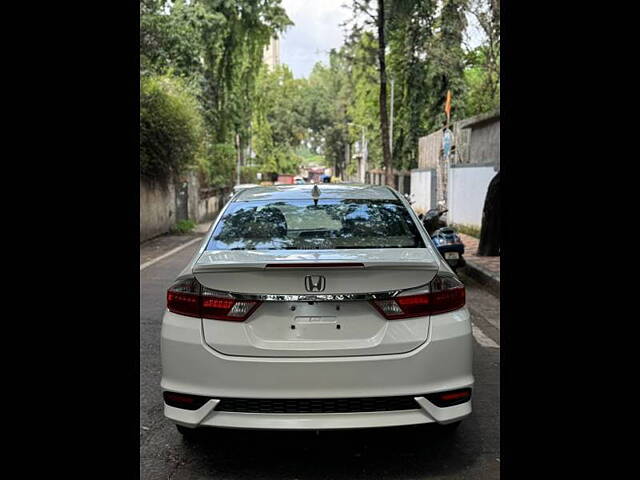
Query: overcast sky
(316, 31)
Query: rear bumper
(443, 362)
(206, 416)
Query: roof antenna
(315, 194)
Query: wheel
(450, 428)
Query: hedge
(171, 127)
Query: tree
(410, 64)
(482, 74)
(447, 63)
(278, 123)
(171, 127)
(216, 45)
(425, 56)
(375, 17)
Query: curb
(482, 276)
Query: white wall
(157, 209)
(467, 191)
(421, 189)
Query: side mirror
(409, 199)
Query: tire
(188, 433)
(450, 428)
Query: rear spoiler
(236, 267)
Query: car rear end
(316, 313)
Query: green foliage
(249, 174)
(425, 57)
(183, 227)
(308, 158)
(411, 65)
(483, 87)
(171, 127)
(222, 163)
(482, 74)
(277, 126)
(211, 51)
(364, 108)
(216, 45)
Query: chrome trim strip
(324, 297)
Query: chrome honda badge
(314, 283)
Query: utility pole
(363, 159)
(347, 158)
(239, 157)
(391, 121)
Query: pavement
(485, 270)
(473, 452)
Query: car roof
(327, 190)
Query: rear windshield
(301, 225)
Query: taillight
(450, 398)
(181, 400)
(189, 297)
(444, 294)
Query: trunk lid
(293, 328)
(284, 271)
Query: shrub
(171, 127)
(183, 226)
(221, 164)
(250, 174)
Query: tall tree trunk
(384, 117)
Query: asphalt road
(473, 452)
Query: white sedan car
(240, 187)
(316, 307)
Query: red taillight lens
(450, 398)
(445, 295)
(189, 297)
(181, 400)
(184, 298)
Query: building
(271, 55)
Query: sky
(317, 30)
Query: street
(407, 452)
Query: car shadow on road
(402, 452)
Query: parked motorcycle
(432, 220)
(446, 239)
(450, 246)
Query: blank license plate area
(451, 255)
(315, 322)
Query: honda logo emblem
(314, 283)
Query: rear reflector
(189, 297)
(181, 400)
(450, 398)
(445, 295)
